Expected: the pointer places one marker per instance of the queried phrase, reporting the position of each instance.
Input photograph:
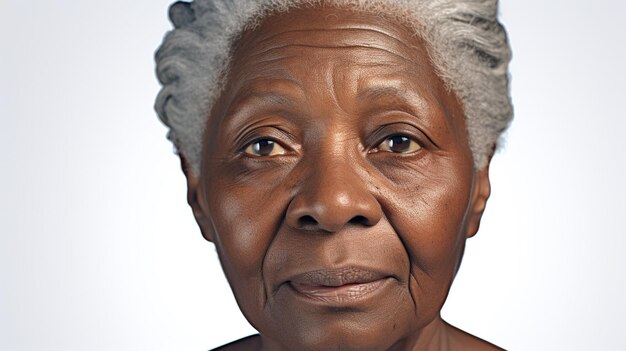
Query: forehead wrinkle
(335, 73)
(329, 47)
(249, 71)
(343, 37)
(348, 29)
(260, 69)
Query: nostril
(306, 221)
(361, 220)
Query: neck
(433, 337)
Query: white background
(98, 250)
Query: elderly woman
(337, 155)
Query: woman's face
(337, 182)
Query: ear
(480, 195)
(197, 201)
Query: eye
(264, 147)
(399, 144)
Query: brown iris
(399, 144)
(264, 147)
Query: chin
(341, 330)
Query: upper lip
(337, 277)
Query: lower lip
(339, 294)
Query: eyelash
(249, 149)
(413, 146)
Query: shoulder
(460, 340)
(249, 343)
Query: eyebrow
(417, 104)
(257, 101)
(379, 91)
(269, 98)
(275, 90)
(264, 99)
(407, 99)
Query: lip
(338, 286)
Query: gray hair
(467, 46)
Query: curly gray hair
(467, 46)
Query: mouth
(338, 286)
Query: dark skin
(338, 186)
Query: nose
(332, 197)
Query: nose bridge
(333, 194)
(334, 181)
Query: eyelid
(399, 128)
(279, 136)
(276, 144)
(409, 137)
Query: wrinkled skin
(338, 186)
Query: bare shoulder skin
(460, 340)
(249, 343)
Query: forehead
(350, 38)
(326, 27)
(302, 49)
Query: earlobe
(480, 195)
(197, 201)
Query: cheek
(429, 220)
(433, 229)
(245, 221)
